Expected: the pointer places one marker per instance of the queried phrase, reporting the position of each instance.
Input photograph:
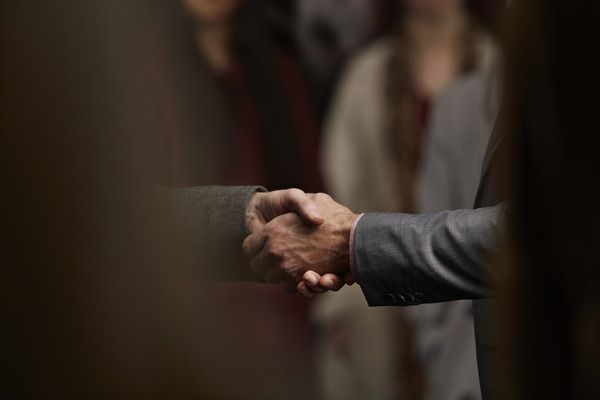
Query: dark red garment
(253, 124)
(304, 121)
(250, 166)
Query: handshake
(300, 239)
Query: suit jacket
(210, 222)
(405, 259)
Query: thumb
(297, 201)
(331, 282)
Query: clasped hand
(299, 239)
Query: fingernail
(312, 279)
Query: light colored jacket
(359, 173)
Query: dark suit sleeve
(403, 259)
(211, 223)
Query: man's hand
(263, 207)
(286, 248)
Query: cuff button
(420, 297)
(390, 298)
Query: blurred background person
(373, 147)
(330, 31)
(225, 79)
(90, 309)
(234, 108)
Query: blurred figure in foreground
(100, 295)
(373, 143)
(234, 109)
(330, 31)
(550, 322)
(91, 311)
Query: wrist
(343, 246)
(352, 273)
(252, 216)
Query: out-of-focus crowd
(114, 286)
(386, 105)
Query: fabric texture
(408, 259)
(357, 167)
(212, 222)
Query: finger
(311, 281)
(255, 224)
(303, 290)
(331, 282)
(296, 200)
(254, 243)
(262, 262)
(315, 289)
(254, 216)
(311, 278)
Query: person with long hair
(373, 142)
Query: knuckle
(276, 250)
(267, 230)
(249, 244)
(322, 196)
(289, 267)
(284, 265)
(294, 196)
(270, 230)
(246, 247)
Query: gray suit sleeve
(403, 259)
(211, 224)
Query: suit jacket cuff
(352, 231)
(212, 224)
(366, 273)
